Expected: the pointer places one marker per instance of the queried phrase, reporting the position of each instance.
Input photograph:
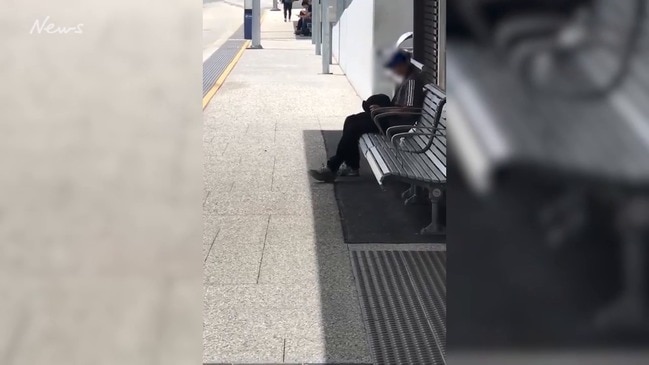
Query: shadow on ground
(354, 210)
(370, 213)
(510, 289)
(343, 332)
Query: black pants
(288, 8)
(355, 126)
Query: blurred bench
(412, 154)
(481, 18)
(597, 147)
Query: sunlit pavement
(278, 288)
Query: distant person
(409, 93)
(302, 27)
(288, 9)
(305, 6)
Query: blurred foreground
(548, 211)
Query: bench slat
(428, 166)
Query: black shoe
(324, 174)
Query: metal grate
(403, 300)
(214, 66)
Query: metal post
(326, 37)
(275, 8)
(340, 7)
(330, 31)
(313, 22)
(441, 52)
(256, 24)
(316, 25)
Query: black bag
(381, 100)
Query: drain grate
(214, 66)
(403, 300)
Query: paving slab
(233, 264)
(302, 305)
(235, 229)
(302, 228)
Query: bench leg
(434, 226)
(415, 198)
(564, 217)
(408, 193)
(630, 310)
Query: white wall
(353, 39)
(391, 19)
(364, 28)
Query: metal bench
(412, 154)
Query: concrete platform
(278, 280)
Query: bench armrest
(438, 128)
(397, 129)
(405, 109)
(377, 118)
(405, 128)
(396, 140)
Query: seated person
(302, 27)
(409, 93)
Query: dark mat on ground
(370, 214)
